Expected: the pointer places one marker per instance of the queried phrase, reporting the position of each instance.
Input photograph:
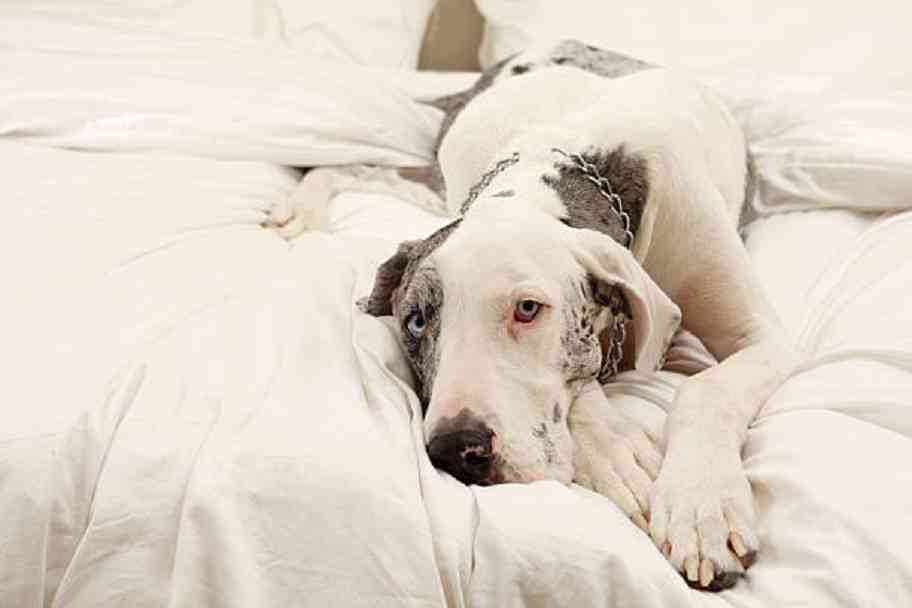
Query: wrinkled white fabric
(824, 90)
(194, 413)
(821, 141)
(381, 34)
(88, 86)
(865, 41)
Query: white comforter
(194, 413)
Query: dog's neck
(566, 186)
(514, 186)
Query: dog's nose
(466, 455)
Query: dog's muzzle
(467, 455)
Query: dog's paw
(702, 516)
(616, 458)
(305, 207)
(280, 214)
(288, 220)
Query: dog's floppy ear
(655, 317)
(387, 280)
(389, 275)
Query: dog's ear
(655, 317)
(389, 275)
(388, 279)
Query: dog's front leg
(702, 513)
(613, 455)
(701, 507)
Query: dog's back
(571, 53)
(667, 120)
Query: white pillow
(815, 36)
(386, 33)
(823, 89)
(823, 142)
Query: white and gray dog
(598, 201)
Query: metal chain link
(618, 331)
(590, 172)
(486, 180)
(617, 335)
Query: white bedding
(194, 413)
(382, 34)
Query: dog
(598, 201)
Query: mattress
(195, 413)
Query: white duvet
(194, 413)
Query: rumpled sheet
(823, 142)
(194, 413)
(85, 85)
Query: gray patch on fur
(584, 333)
(573, 53)
(402, 286)
(397, 270)
(504, 194)
(541, 433)
(558, 413)
(424, 296)
(581, 352)
(593, 59)
(586, 206)
(388, 278)
(452, 106)
(568, 53)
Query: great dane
(598, 201)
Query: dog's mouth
(468, 448)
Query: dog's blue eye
(416, 324)
(526, 310)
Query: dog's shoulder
(603, 189)
(568, 53)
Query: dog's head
(503, 321)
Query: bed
(195, 413)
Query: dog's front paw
(304, 208)
(280, 214)
(703, 515)
(614, 457)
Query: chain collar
(486, 180)
(590, 172)
(617, 333)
